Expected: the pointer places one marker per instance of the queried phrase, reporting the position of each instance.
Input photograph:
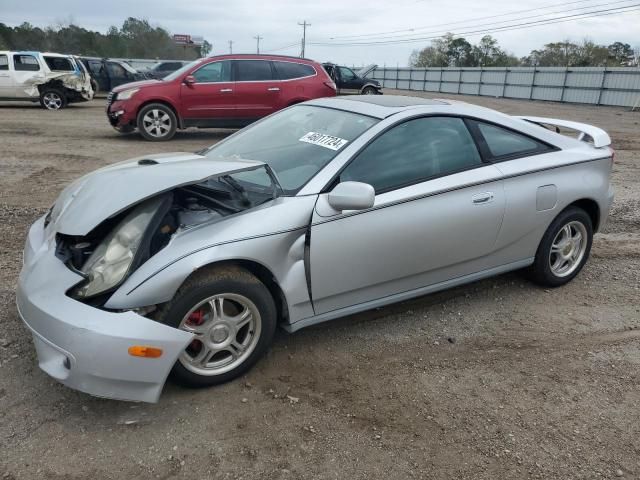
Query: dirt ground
(497, 379)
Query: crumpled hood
(138, 84)
(101, 194)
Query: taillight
(332, 86)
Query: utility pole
(304, 26)
(258, 38)
(230, 46)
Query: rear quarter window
(4, 62)
(503, 143)
(59, 64)
(291, 70)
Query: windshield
(296, 143)
(180, 71)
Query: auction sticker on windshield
(326, 141)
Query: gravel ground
(497, 379)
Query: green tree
(621, 53)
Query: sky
(277, 22)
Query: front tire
(369, 91)
(233, 318)
(564, 248)
(53, 99)
(157, 122)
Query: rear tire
(157, 122)
(52, 99)
(564, 248)
(233, 317)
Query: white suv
(53, 79)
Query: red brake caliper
(196, 318)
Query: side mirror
(189, 80)
(352, 196)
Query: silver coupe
(183, 264)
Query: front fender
(369, 84)
(281, 253)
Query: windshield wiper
(233, 183)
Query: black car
(163, 69)
(349, 82)
(107, 73)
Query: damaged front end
(121, 243)
(102, 228)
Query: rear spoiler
(588, 133)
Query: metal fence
(592, 85)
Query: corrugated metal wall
(594, 85)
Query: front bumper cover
(83, 347)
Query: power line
(476, 25)
(258, 38)
(304, 26)
(504, 28)
(344, 37)
(284, 47)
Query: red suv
(226, 91)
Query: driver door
(211, 98)
(351, 83)
(437, 214)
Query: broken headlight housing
(112, 259)
(126, 94)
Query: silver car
(183, 264)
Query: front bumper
(121, 113)
(83, 347)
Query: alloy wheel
(156, 123)
(52, 101)
(568, 249)
(227, 329)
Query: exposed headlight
(111, 260)
(126, 94)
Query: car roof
(384, 106)
(381, 106)
(260, 56)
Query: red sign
(180, 38)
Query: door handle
(480, 198)
(273, 89)
(226, 90)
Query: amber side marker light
(144, 351)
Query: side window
(4, 62)
(253, 70)
(214, 72)
(116, 70)
(503, 143)
(347, 73)
(59, 64)
(290, 70)
(95, 67)
(414, 151)
(25, 63)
